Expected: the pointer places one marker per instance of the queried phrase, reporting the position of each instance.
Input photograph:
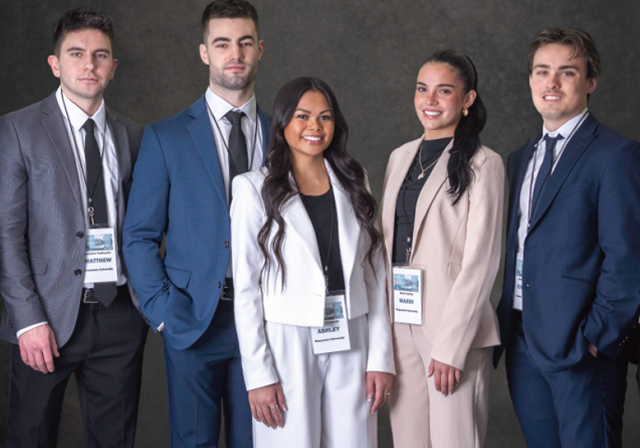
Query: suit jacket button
(219, 284)
(78, 271)
(226, 244)
(80, 234)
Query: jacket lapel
(391, 190)
(53, 122)
(265, 125)
(434, 183)
(202, 135)
(574, 149)
(515, 191)
(297, 221)
(348, 227)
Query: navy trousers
(206, 381)
(579, 407)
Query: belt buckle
(88, 297)
(225, 290)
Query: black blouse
(323, 215)
(408, 195)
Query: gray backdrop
(369, 52)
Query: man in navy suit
(572, 272)
(181, 191)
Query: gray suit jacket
(42, 224)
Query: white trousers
(326, 394)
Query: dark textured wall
(369, 52)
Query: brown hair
(229, 9)
(581, 42)
(80, 19)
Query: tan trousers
(422, 417)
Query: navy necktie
(545, 169)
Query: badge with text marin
(334, 335)
(407, 296)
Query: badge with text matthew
(407, 296)
(100, 256)
(334, 335)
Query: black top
(408, 195)
(323, 215)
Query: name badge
(407, 296)
(334, 335)
(517, 295)
(100, 256)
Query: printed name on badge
(407, 296)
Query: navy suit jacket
(178, 192)
(581, 273)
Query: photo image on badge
(333, 311)
(99, 242)
(407, 283)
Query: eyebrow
(227, 39)
(562, 67)
(309, 112)
(99, 50)
(439, 85)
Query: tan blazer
(456, 246)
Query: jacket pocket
(179, 277)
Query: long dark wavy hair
(279, 185)
(466, 139)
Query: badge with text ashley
(334, 335)
(407, 296)
(100, 256)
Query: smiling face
(310, 130)
(559, 84)
(439, 99)
(85, 65)
(232, 51)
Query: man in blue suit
(181, 191)
(572, 272)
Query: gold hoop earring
(465, 112)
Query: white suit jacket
(301, 300)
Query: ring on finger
(273, 408)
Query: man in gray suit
(65, 173)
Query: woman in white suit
(441, 216)
(310, 282)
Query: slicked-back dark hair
(278, 188)
(81, 19)
(466, 139)
(229, 9)
(579, 40)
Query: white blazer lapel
(348, 228)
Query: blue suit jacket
(178, 192)
(581, 273)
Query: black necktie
(103, 292)
(96, 198)
(239, 160)
(545, 168)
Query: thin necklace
(424, 170)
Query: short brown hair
(581, 42)
(229, 9)
(80, 19)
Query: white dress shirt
(74, 119)
(217, 109)
(567, 130)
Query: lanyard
(90, 210)
(556, 158)
(325, 255)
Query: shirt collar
(220, 107)
(566, 129)
(77, 116)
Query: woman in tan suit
(442, 217)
